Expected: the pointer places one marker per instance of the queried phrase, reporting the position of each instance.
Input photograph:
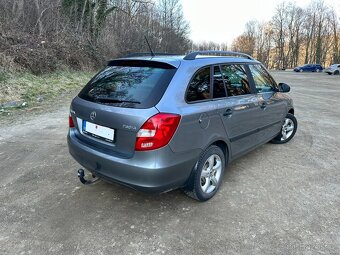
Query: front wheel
(288, 130)
(208, 174)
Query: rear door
(200, 123)
(239, 111)
(272, 107)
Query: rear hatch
(113, 106)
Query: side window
(219, 90)
(236, 80)
(263, 81)
(199, 87)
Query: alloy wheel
(287, 129)
(211, 173)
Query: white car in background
(333, 69)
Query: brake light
(157, 131)
(70, 122)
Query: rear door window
(236, 80)
(199, 87)
(128, 86)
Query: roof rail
(144, 54)
(193, 55)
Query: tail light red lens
(157, 131)
(70, 122)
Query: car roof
(176, 60)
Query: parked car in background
(309, 68)
(333, 69)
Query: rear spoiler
(141, 63)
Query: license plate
(98, 131)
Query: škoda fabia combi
(158, 123)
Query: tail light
(157, 131)
(70, 122)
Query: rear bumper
(154, 171)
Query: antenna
(151, 51)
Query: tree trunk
(39, 15)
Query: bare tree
(294, 36)
(209, 46)
(280, 27)
(99, 29)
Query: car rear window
(130, 85)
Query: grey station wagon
(158, 123)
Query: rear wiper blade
(111, 100)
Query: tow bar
(81, 176)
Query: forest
(46, 35)
(294, 36)
(42, 36)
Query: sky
(222, 21)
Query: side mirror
(283, 87)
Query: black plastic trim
(140, 63)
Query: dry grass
(26, 87)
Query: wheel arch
(224, 147)
(190, 186)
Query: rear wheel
(207, 177)
(288, 130)
(336, 72)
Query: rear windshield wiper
(111, 100)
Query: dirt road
(279, 199)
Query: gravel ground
(278, 199)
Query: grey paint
(203, 123)
(158, 171)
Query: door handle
(263, 105)
(228, 112)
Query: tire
(300, 70)
(207, 176)
(336, 72)
(286, 133)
